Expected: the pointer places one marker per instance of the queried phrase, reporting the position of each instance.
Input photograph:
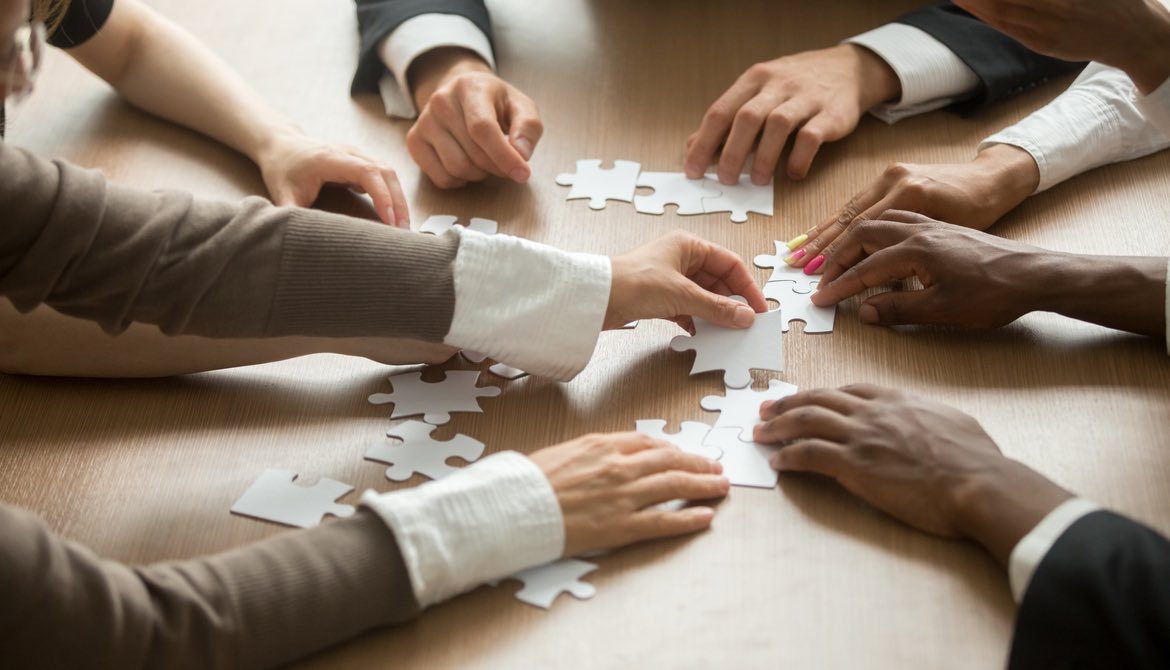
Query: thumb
(525, 127)
(717, 309)
(898, 308)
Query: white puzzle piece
(275, 496)
(544, 583)
(740, 408)
(435, 401)
(507, 371)
(473, 356)
(736, 351)
(591, 181)
(744, 463)
(799, 307)
(439, 224)
(676, 189)
(419, 452)
(689, 439)
(631, 325)
(739, 199)
(782, 271)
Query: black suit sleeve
(1100, 598)
(81, 21)
(379, 18)
(1004, 66)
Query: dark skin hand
(924, 463)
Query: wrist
(429, 71)
(271, 140)
(878, 82)
(1011, 175)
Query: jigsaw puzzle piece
(544, 583)
(435, 401)
(799, 307)
(275, 496)
(782, 271)
(740, 408)
(473, 356)
(689, 438)
(591, 181)
(744, 463)
(439, 224)
(420, 453)
(507, 371)
(740, 198)
(736, 351)
(676, 189)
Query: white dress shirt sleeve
(1156, 107)
(529, 305)
(413, 38)
(1030, 551)
(490, 519)
(932, 76)
(1095, 122)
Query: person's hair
(49, 12)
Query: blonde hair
(49, 12)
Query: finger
(714, 308)
(745, 129)
(398, 197)
(824, 127)
(727, 267)
(901, 216)
(372, 180)
(804, 422)
(652, 524)
(880, 268)
(631, 442)
(830, 246)
(524, 125)
(486, 130)
(834, 399)
(899, 308)
(867, 391)
(428, 161)
(714, 126)
(832, 229)
(779, 125)
(819, 456)
(454, 157)
(669, 457)
(675, 485)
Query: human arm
(160, 68)
(975, 280)
(280, 599)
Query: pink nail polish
(795, 256)
(814, 265)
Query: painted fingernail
(814, 265)
(795, 242)
(810, 231)
(867, 314)
(795, 256)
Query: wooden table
(800, 576)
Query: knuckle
(898, 171)
(482, 128)
(720, 115)
(811, 134)
(749, 116)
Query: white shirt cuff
(1095, 122)
(529, 305)
(413, 38)
(1030, 550)
(492, 518)
(1156, 107)
(932, 75)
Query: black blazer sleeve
(1100, 598)
(1004, 66)
(379, 18)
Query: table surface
(800, 576)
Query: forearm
(1146, 57)
(1126, 293)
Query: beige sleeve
(117, 255)
(262, 605)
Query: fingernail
(519, 175)
(700, 513)
(760, 179)
(744, 316)
(810, 230)
(867, 314)
(757, 430)
(797, 241)
(774, 460)
(814, 265)
(692, 171)
(390, 216)
(795, 256)
(765, 405)
(524, 146)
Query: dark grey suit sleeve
(379, 18)
(1100, 598)
(1004, 66)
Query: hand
(974, 194)
(922, 462)
(817, 95)
(295, 168)
(471, 123)
(679, 276)
(608, 485)
(970, 279)
(1133, 35)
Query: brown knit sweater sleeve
(258, 606)
(117, 255)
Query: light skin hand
(1133, 35)
(813, 97)
(608, 485)
(975, 194)
(471, 123)
(926, 464)
(679, 276)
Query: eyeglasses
(22, 61)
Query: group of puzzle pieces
(689, 196)
(792, 289)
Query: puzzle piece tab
(739, 199)
(275, 496)
(744, 463)
(439, 224)
(689, 439)
(674, 188)
(799, 307)
(740, 408)
(591, 181)
(543, 583)
(736, 351)
(435, 401)
(419, 452)
(782, 271)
